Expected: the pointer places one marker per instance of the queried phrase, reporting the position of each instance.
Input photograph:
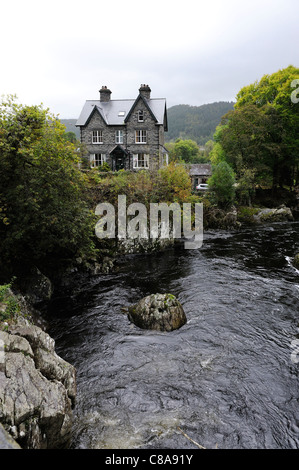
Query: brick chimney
(145, 91)
(105, 94)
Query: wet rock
(37, 388)
(36, 287)
(162, 312)
(280, 214)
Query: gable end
(140, 97)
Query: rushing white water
(227, 378)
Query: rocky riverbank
(236, 217)
(37, 387)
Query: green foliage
(245, 188)
(245, 214)
(174, 184)
(262, 133)
(184, 150)
(70, 126)
(70, 137)
(171, 183)
(9, 306)
(42, 209)
(104, 167)
(221, 183)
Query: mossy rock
(296, 261)
(162, 312)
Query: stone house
(200, 173)
(127, 134)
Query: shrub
(43, 214)
(221, 184)
(9, 306)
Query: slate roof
(110, 110)
(204, 169)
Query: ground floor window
(140, 160)
(165, 159)
(97, 159)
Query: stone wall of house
(153, 133)
(155, 136)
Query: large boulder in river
(162, 312)
(296, 261)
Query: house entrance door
(119, 163)
(118, 156)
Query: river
(228, 378)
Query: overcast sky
(60, 52)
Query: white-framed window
(140, 160)
(97, 159)
(97, 137)
(119, 137)
(140, 136)
(140, 115)
(165, 159)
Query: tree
(221, 183)
(245, 188)
(43, 214)
(70, 137)
(186, 150)
(252, 138)
(217, 153)
(175, 183)
(275, 92)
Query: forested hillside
(195, 122)
(70, 125)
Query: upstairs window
(140, 116)
(119, 137)
(140, 137)
(97, 137)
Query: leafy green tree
(253, 138)
(274, 93)
(209, 145)
(186, 150)
(43, 214)
(70, 137)
(245, 188)
(222, 184)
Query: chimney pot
(105, 93)
(145, 91)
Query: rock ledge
(37, 388)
